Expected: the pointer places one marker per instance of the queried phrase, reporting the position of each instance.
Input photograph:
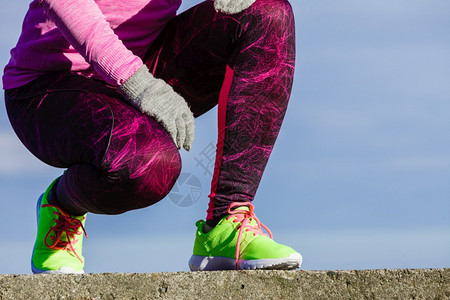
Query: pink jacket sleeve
(84, 26)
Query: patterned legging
(118, 159)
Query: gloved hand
(157, 99)
(232, 6)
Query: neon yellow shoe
(59, 241)
(238, 242)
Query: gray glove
(232, 6)
(157, 99)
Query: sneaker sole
(213, 263)
(63, 270)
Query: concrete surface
(364, 284)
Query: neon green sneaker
(238, 242)
(59, 241)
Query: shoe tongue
(241, 208)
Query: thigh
(192, 52)
(76, 120)
(61, 121)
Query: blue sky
(359, 177)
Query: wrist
(137, 84)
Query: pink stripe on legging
(221, 120)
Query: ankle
(65, 206)
(209, 225)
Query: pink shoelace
(64, 224)
(245, 217)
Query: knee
(143, 183)
(153, 185)
(150, 182)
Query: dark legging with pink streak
(119, 159)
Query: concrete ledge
(364, 284)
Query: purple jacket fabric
(104, 39)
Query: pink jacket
(96, 38)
